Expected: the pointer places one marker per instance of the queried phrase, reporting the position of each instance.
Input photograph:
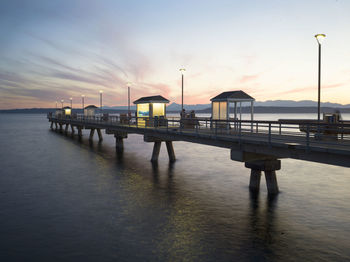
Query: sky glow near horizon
(53, 50)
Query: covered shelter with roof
(67, 110)
(150, 107)
(90, 110)
(220, 105)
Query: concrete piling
(156, 150)
(171, 152)
(254, 183)
(80, 133)
(269, 167)
(92, 131)
(100, 138)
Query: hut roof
(233, 96)
(91, 107)
(151, 99)
(67, 107)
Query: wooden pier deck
(260, 144)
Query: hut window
(143, 110)
(158, 109)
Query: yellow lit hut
(150, 109)
(67, 111)
(220, 105)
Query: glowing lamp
(320, 38)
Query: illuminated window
(158, 109)
(143, 110)
(216, 110)
(223, 110)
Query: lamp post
(101, 101)
(71, 102)
(62, 103)
(129, 84)
(82, 101)
(56, 104)
(182, 70)
(319, 38)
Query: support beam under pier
(92, 131)
(80, 133)
(66, 129)
(171, 152)
(269, 167)
(156, 150)
(100, 138)
(72, 128)
(51, 126)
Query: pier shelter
(150, 108)
(220, 105)
(67, 111)
(90, 110)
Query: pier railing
(293, 132)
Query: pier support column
(100, 138)
(66, 129)
(156, 150)
(119, 144)
(72, 128)
(92, 131)
(254, 183)
(171, 152)
(56, 127)
(51, 126)
(61, 128)
(80, 133)
(269, 167)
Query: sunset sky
(53, 50)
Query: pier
(259, 144)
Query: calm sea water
(65, 200)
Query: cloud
(248, 78)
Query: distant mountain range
(268, 103)
(270, 106)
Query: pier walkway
(259, 144)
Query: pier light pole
(62, 103)
(129, 84)
(182, 70)
(319, 38)
(56, 104)
(71, 102)
(101, 101)
(82, 101)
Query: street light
(82, 101)
(62, 103)
(319, 38)
(56, 104)
(101, 101)
(129, 84)
(182, 70)
(71, 102)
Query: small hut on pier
(151, 110)
(67, 111)
(221, 105)
(90, 110)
